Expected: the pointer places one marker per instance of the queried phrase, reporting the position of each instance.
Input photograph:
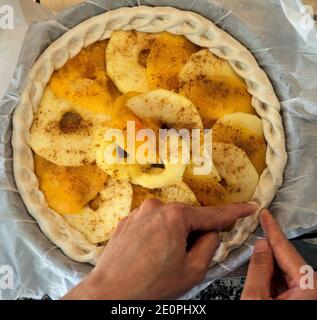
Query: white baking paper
(282, 36)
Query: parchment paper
(282, 36)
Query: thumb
(259, 277)
(200, 255)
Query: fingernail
(254, 204)
(265, 211)
(263, 216)
(262, 246)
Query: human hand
(274, 270)
(147, 256)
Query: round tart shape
(200, 32)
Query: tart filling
(155, 81)
(101, 84)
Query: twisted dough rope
(152, 20)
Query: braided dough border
(152, 20)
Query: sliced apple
(179, 192)
(168, 55)
(159, 178)
(166, 108)
(246, 132)
(147, 175)
(98, 220)
(126, 57)
(83, 80)
(207, 188)
(234, 178)
(64, 133)
(239, 176)
(213, 86)
(205, 64)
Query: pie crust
(200, 31)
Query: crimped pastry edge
(152, 20)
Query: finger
(124, 221)
(150, 205)
(287, 257)
(297, 293)
(286, 295)
(201, 253)
(217, 218)
(260, 273)
(120, 226)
